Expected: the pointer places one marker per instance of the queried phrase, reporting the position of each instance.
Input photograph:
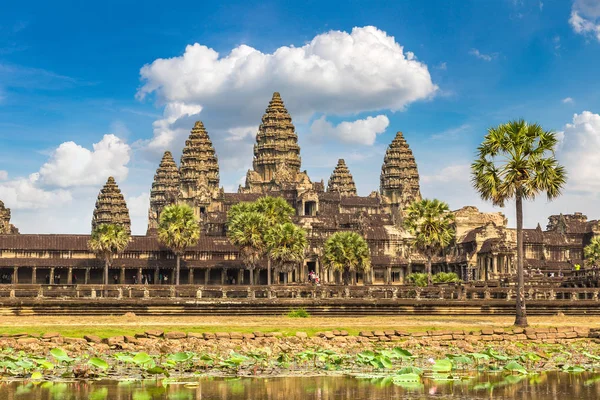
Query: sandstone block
(195, 335)
(258, 334)
(154, 333)
(72, 340)
(130, 339)
(50, 335)
(236, 335)
(389, 333)
(302, 335)
(248, 336)
(27, 340)
(365, 334)
(487, 331)
(343, 333)
(274, 334)
(402, 333)
(222, 335)
(208, 335)
(114, 340)
(378, 333)
(175, 335)
(93, 338)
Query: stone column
(156, 276)
(402, 276)
(52, 276)
(70, 276)
(494, 266)
(191, 275)
(388, 275)
(240, 277)
(223, 276)
(172, 277)
(34, 275)
(121, 276)
(15, 278)
(318, 269)
(139, 276)
(86, 276)
(206, 276)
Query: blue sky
(76, 104)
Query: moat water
(550, 385)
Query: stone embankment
(155, 341)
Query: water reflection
(551, 385)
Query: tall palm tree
(591, 252)
(178, 230)
(275, 209)
(106, 241)
(430, 222)
(516, 161)
(347, 252)
(285, 246)
(247, 230)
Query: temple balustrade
(451, 293)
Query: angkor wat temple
(485, 248)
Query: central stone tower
(399, 181)
(276, 152)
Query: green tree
(108, 240)
(275, 209)
(591, 252)
(246, 229)
(347, 252)
(178, 230)
(446, 277)
(417, 278)
(285, 246)
(516, 161)
(431, 224)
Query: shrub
(445, 277)
(417, 279)
(298, 313)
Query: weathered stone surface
(195, 335)
(175, 335)
(5, 226)
(69, 340)
(276, 160)
(165, 189)
(50, 335)
(301, 335)
(222, 335)
(365, 333)
(198, 170)
(93, 338)
(399, 180)
(111, 207)
(341, 180)
(114, 340)
(154, 333)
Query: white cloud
(3, 175)
(73, 165)
(25, 193)
(443, 66)
(451, 173)
(335, 73)
(138, 212)
(362, 131)
(481, 56)
(585, 18)
(579, 152)
(452, 133)
(567, 100)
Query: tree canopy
(347, 252)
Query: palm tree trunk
(429, 277)
(177, 269)
(521, 318)
(106, 266)
(268, 271)
(252, 276)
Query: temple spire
(5, 226)
(198, 170)
(165, 189)
(276, 152)
(111, 207)
(399, 180)
(341, 180)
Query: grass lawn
(105, 326)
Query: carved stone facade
(276, 164)
(399, 180)
(198, 171)
(165, 189)
(485, 248)
(111, 207)
(341, 180)
(5, 226)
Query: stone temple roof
(165, 188)
(399, 174)
(111, 207)
(276, 140)
(199, 167)
(341, 180)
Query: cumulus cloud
(481, 56)
(585, 18)
(335, 73)
(3, 175)
(138, 211)
(25, 193)
(579, 152)
(451, 173)
(74, 165)
(567, 100)
(362, 131)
